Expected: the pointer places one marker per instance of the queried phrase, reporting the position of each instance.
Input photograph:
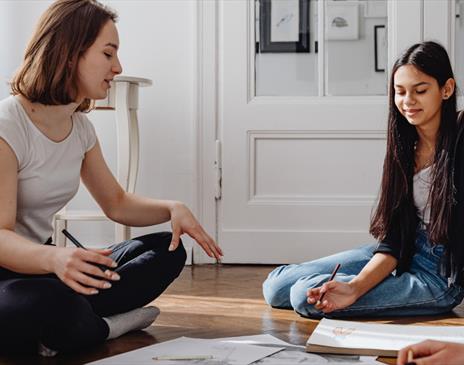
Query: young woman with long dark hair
(57, 299)
(417, 266)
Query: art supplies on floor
(192, 351)
(242, 350)
(360, 338)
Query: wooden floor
(211, 301)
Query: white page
(264, 339)
(296, 354)
(226, 353)
(301, 357)
(349, 334)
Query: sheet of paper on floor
(224, 353)
(294, 354)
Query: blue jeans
(420, 291)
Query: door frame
(206, 91)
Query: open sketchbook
(347, 337)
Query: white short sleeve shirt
(422, 182)
(48, 171)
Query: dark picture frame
(266, 28)
(379, 34)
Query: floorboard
(209, 301)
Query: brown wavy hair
(396, 196)
(65, 31)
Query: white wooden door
(300, 175)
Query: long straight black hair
(398, 169)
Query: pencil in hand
(80, 245)
(334, 272)
(72, 239)
(410, 357)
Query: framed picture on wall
(283, 26)
(380, 47)
(342, 20)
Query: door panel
(300, 174)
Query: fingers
(327, 306)
(316, 292)
(85, 284)
(421, 349)
(211, 245)
(80, 288)
(313, 295)
(104, 251)
(89, 267)
(175, 239)
(426, 348)
(183, 221)
(82, 274)
(89, 281)
(203, 239)
(330, 285)
(98, 272)
(403, 356)
(434, 359)
(207, 243)
(96, 257)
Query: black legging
(42, 308)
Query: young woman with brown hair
(417, 268)
(54, 298)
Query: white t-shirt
(421, 192)
(48, 171)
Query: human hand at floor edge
(432, 352)
(183, 221)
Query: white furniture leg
(123, 98)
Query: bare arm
(133, 210)
(21, 255)
(378, 268)
(340, 295)
(117, 204)
(16, 253)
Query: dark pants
(41, 308)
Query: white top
(421, 192)
(48, 171)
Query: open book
(375, 339)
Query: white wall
(158, 41)
(459, 44)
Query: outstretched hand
(433, 352)
(183, 221)
(338, 295)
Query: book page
(361, 335)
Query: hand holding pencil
(332, 295)
(85, 271)
(432, 353)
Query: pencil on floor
(186, 357)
